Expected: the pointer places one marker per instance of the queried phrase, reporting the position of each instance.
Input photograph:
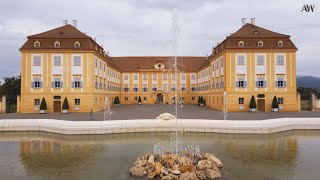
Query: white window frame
(259, 60)
(74, 63)
(241, 101)
(37, 102)
(243, 60)
(77, 44)
(37, 44)
(56, 44)
(283, 57)
(77, 102)
(33, 60)
(240, 44)
(55, 60)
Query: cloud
(142, 27)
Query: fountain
(170, 160)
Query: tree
(275, 102)
(253, 103)
(199, 100)
(65, 105)
(305, 93)
(139, 99)
(11, 88)
(43, 105)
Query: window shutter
(237, 84)
(40, 84)
(32, 84)
(61, 84)
(276, 84)
(244, 84)
(284, 83)
(264, 84)
(81, 85)
(73, 84)
(257, 83)
(52, 84)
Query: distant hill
(308, 82)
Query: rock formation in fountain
(170, 166)
(166, 116)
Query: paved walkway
(124, 112)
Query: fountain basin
(154, 125)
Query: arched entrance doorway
(159, 98)
(261, 105)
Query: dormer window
(241, 44)
(280, 43)
(77, 44)
(260, 44)
(37, 44)
(57, 44)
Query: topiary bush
(139, 100)
(275, 103)
(65, 105)
(253, 103)
(43, 105)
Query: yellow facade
(228, 74)
(167, 87)
(258, 70)
(90, 96)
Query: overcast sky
(142, 27)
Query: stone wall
(2, 104)
(315, 103)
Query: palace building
(65, 62)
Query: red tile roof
(252, 31)
(136, 63)
(67, 31)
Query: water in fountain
(174, 34)
(170, 160)
(174, 145)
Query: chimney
(74, 23)
(212, 49)
(244, 21)
(253, 21)
(65, 22)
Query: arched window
(57, 44)
(36, 44)
(241, 44)
(77, 44)
(280, 43)
(260, 44)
